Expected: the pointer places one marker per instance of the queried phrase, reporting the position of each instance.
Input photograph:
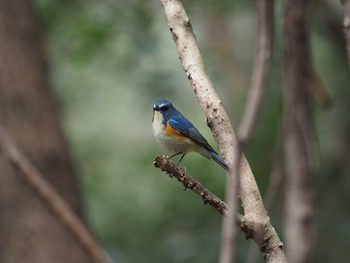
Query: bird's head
(163, 109)
(162, 105)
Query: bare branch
(228, 230)
(263, 233)
(51, 199)
(298, 137)
(346, 24)
(260, 74)
(272, 189)
(166, 164)
(261, 70)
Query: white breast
(158, 126)
(169, 143)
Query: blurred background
(110, 60)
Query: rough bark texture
(254, 212)
(29, 113)
(166, 164)
(299, 141)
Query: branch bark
(261, 70)
(273, 188)
(263, 233)
(165, 163)
(299, 137)
(53, 201)
(346, 24)
(253, 105)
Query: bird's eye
(164, 108)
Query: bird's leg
(181, 158)
(176, 154)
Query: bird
(177, 134)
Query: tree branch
(260, 73)
(253, 105)
(51, 199)
(272, 189)
(164, 163)
(263, 233)
(249, 227)
(298, 136)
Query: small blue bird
(178, 135)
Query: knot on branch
(188, 24)
(270, 243)
(247, 227)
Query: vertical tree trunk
(29, 113)
(299, 141)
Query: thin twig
(51, 199)
(166, 164)
(261, 71)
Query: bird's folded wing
(186, 128)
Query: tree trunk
(29, 113)
(298, 138)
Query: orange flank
(170, 131)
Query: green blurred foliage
(111, 59)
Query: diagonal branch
(51, 199)
(164, 163)
(260, 74)
(263, 233)
(262, 62)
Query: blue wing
(186, 128)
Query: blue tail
(218, 160)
